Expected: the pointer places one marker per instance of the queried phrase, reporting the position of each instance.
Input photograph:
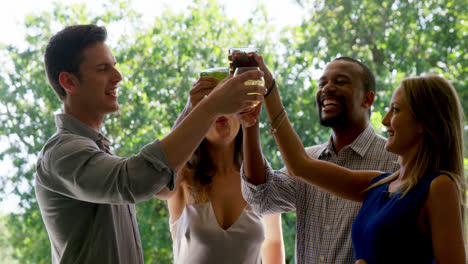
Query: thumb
(360, 261)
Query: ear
(368, 99)
(69, 82)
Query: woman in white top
(210, 221)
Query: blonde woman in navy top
(414, 215)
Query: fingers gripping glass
(259, 81)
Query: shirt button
(333, 198)
(327, 227)
(322, 258)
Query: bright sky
(12, 14)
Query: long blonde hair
(434, 103)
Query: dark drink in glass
(242, 57)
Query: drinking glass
(219, 72)
(261, 81)
(242, 57)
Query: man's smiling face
(340, 94)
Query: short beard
(336, 121)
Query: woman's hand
(201, 88)
(267, 73)
(249, 118)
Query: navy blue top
(386, 228)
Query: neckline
(216, 219)
(388, 194)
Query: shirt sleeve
(75, 167)
(276, 195)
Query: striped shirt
(323, 221)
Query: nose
(386, 119)
(328, 87)
(117, 76)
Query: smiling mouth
(329, 104)
(113, 93)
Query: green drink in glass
(220, 72)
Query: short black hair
(367, 77)
(64, 52)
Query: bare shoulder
(442, 185)
(442, 193)
(444, 220)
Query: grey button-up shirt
(87, 195)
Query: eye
(321, 84)
(341, 82)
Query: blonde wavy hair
(434, 103)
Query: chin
(390, 149)
(331, 121)
(225, 137)
(110, 111)
(219, 141)
(114, 108)
(387, 148)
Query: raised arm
(254, 163)
(338, 180)
(201, 88)
(229, 97)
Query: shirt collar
(360, 145)
(72, 124)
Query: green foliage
(28, 237)
(289, 235)
(159, 63)
(6, 251)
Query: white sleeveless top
(197, 237)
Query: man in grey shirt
(86, 195)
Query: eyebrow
(105, 64)
(343, 76)
(337, 76)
